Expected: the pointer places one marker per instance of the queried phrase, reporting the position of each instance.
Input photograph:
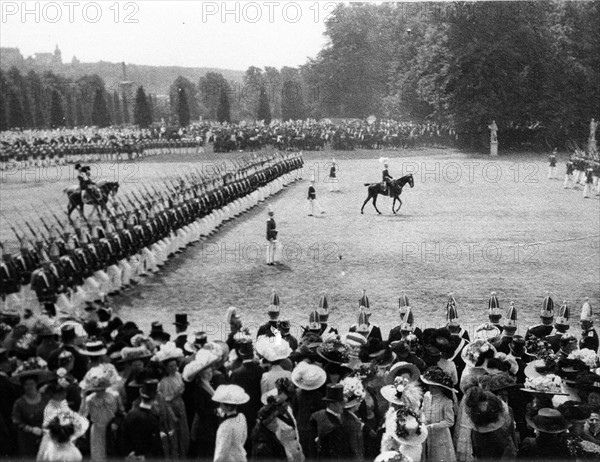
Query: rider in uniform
(83, 175)
(386, 179)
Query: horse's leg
(394, 204)
(70, 208)
(365, 203)
(400, 201)
(375, 204)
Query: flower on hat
(100, 377)
(550, 383)
(26, 341)
(585, 355)
(139, 340)
(353, 389)
(32, 364)
(168, 351)
(475, 349)
(334, 350)
(63, 381)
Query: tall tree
(118, 108)
(264, 111)
(16, 118)
(292, 99)
(126, 118)
(20, 88)
(3, 102)
(253, 82)
(224, 110)
(57, 115)
(183, 108)
(142, 115)
(100, 114)
(191, 96)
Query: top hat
(149, 388)
(334, 393)
(195, 342)
(181, 319)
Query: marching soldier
(569, 174)
(589, 181)
(44, 282)
(589, 336)
(552, 166)
(271, 238)
(547, 317)
(333, 180)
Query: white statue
(494, 131)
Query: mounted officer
(386, 182)
(85, 180)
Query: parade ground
(471, 225)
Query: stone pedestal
(494, 148)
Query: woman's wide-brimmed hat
(308, 376)
(498, 382)
(202, 360)
(391, 456)
(354, 392)
(99, 378)
(34, 368)
(545, 385)
(129, 354)
(405, 427)
(402, 392)
(273, 348)
(334, 351)
(548, 420)
(531, 369)
(402, 367)
(471, 352)
(168, 352)
(575, 411)
(435, 376)
(93, 347)
(230, 394)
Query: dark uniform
(589, 340)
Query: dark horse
(97, 196)
(393, 191)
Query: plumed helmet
(547, 307)
(564, 313)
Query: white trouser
(566, 183)
(551, 172)
(333, 184)
(312, 203)
(587, 189)
(271, 245)
(115, 274)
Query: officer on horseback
(84, 177)
(386, 179)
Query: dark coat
(205, 424)
(304, 406)
(333, 438)
(265, 445)
(589, 340)
(248, 377)
(141, 433)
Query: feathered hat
(547, 307)
(586, 311)
(314, 321)
(364, 302)
(363, 321)
(494, 308)
(564, 313)
(323, 308)
(274, 303)
(403, 303)
(511, 316)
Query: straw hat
(230, 394)
(405, 426)
(202, 360)
(273, 348)
(35, 368)
(308, 376)
(93, 347)
(391, 456)
(401, 367)
(168, 352)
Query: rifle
(12, 228)
(35, 234)
(45, 225)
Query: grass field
(471, 225)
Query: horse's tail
(367, 184)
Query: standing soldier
(271, 238)
(312, 199)
(552, 166)
(589, 336)
(589, 180)
(544, 329)
(333, 181)
(569, 174)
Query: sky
(229, 35)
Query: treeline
(533, 67)
(52, 101)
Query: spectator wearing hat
(28, 410)
(181, 324)
(589, 336)
(278, 419)
(274, 351)
(101, 406)
(492, 427)
(309, 380)
(235, 325)
(438, 410)
(545, 328)
(68, 338)
(48, 341)
(141, 427)
(404, 433)
(517, 351)
(550, 441)
(233, 430)
(171, 387)
(198, 374)
(63, 430)
(327, 428)
(248, 376)
(284, 327)
(158, 334)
